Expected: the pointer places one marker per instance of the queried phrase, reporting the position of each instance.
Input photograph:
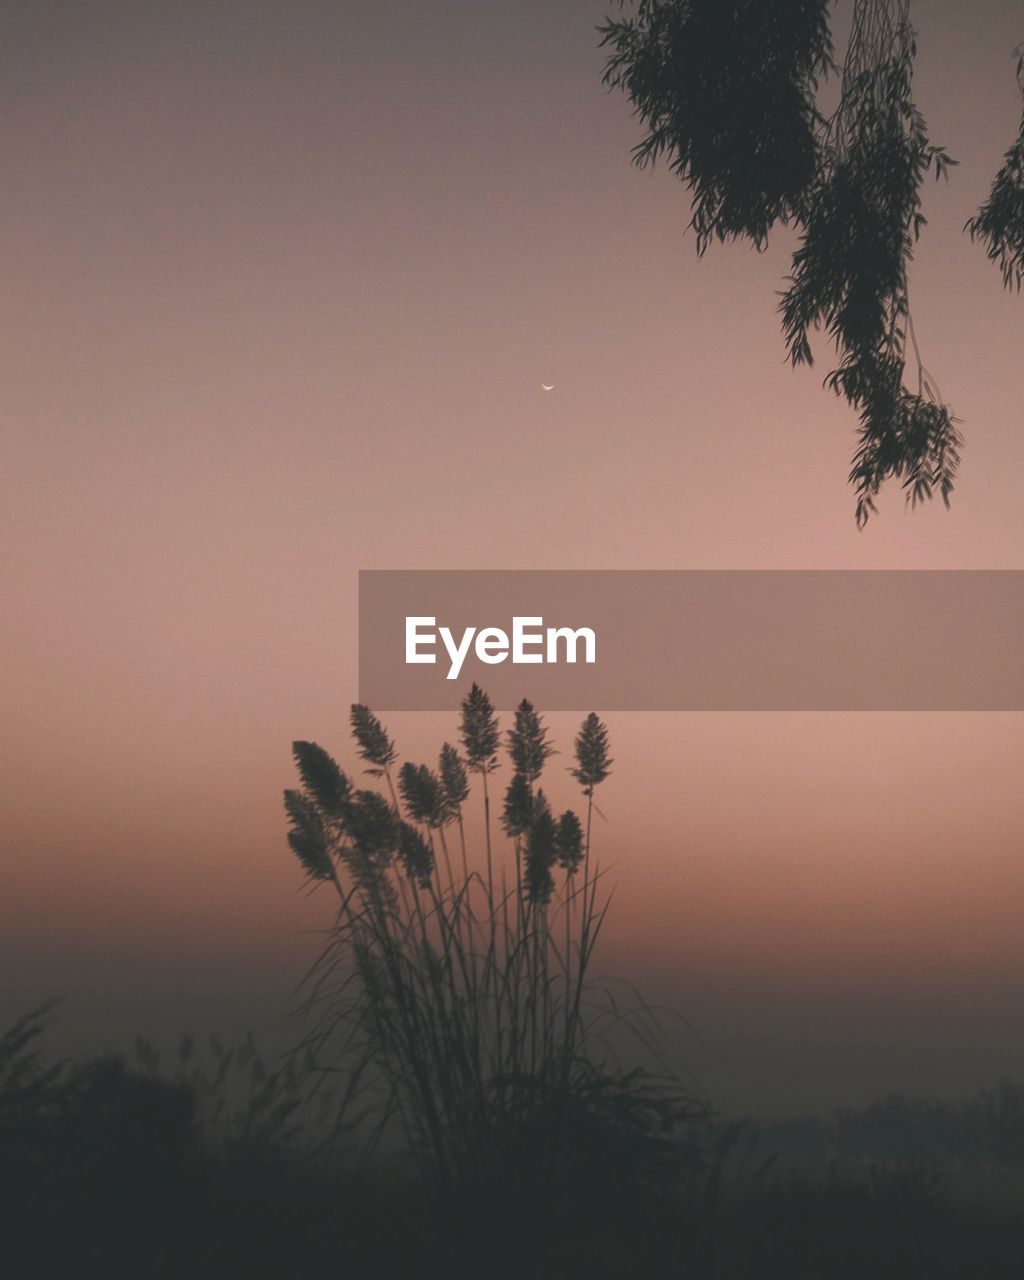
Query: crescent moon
(544, 387)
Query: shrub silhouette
(91, 1154)
(460, 1004)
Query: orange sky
(281, 285)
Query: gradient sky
(281, 284)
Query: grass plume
(462, 1004)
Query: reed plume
(454, 1009)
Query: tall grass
(455, 989)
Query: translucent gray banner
(694, 640)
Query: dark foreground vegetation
(220, 1168)
(464, 1099)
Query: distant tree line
(984, 1131)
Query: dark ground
(110, 1170)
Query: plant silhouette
(460, 1004)
(728, 94)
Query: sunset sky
(282, 282)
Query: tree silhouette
(728, 93)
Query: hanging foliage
(727, 91)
